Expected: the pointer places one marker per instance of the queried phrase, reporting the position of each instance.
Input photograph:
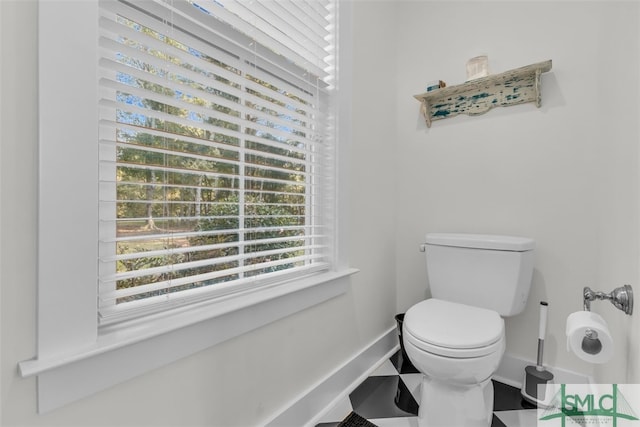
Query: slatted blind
(216, 149)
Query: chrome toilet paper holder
(621, 298)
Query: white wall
(633, 361)
(565, 174)
(245, 380)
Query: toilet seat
(453, 330)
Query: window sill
(154, 342)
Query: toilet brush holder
(536, 378)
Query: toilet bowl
(456, 339)
(457, 348)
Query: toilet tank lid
(481, 241)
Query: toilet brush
(535, 376)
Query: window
(187, 181)
(215, 150)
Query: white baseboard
(309, 407)
(511, 372)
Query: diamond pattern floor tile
(397, 380)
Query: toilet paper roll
(578, 326)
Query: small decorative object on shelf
(435, 84)
(478, 96)
(477, 67)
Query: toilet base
(447, 405)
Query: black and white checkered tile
(390, 396)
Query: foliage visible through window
(210, 168)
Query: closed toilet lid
(452, 325)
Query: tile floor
(375, 398)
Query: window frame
(284, 81)
(76, 357)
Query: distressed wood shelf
(517, 86)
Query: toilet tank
(488, 271)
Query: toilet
(456, 338)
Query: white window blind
(216, 149)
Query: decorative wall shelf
(517, 86)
